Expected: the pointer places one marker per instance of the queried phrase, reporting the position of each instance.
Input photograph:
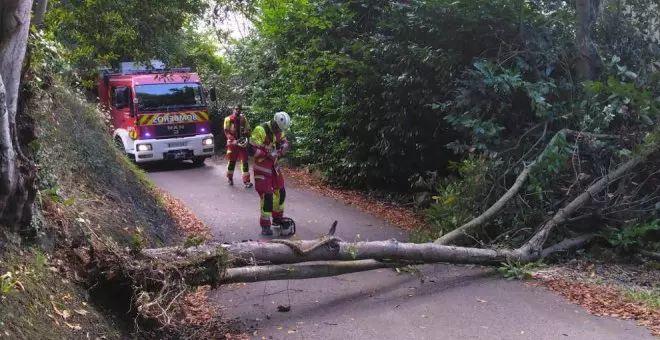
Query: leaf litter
(600, 290)
(199, 314)
(399, 216)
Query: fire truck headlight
(144, 147)
(207, 141)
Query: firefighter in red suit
(269, 144)
(234, 151)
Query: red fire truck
(157, 114)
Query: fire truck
(157, 114)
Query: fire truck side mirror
(212, 94)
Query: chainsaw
(286, 228)
(241, 140)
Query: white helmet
(282, 120)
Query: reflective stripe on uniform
(259, 177)
(263, 169)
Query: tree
(103, 33)
(17, 171)
(589, 66)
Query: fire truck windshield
(157, 97)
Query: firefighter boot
(248, 185)
(266, 231)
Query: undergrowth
(648, 298)
(89, 198)
(39, 301)
(80, 167)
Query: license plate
(179, 155)
(176, 145)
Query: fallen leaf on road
(601, 300)
(184, 218)
(81, 311)
(482, 301)
(397, 215)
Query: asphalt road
(453, 302)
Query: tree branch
(454, 235)
(300, 271)
(568, 245)
(652, 255)
(486, 215)
(535, 244)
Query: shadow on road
(166, 166)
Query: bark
(265, 261)
(251, 253)
(568, 245)
(589, 65)
(300, 271)
(39, 12)
(17, 172)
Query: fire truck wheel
(120, 147)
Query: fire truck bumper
(194, 147)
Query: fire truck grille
(170, 130)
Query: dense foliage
(104, 33)
(451, 100)
(372, 84)
(397, 95)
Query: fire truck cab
(157, 114)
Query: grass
(112, 195)
(42, 304)
(515, 270)
(85, 188)
(648, 298)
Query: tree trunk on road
(256, 253)
(17, 172)
(300, 271)
(259, 261)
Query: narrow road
(453, 302)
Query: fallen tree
(464, 230)
(284, 259)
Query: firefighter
(269, 144)
(236, 151)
